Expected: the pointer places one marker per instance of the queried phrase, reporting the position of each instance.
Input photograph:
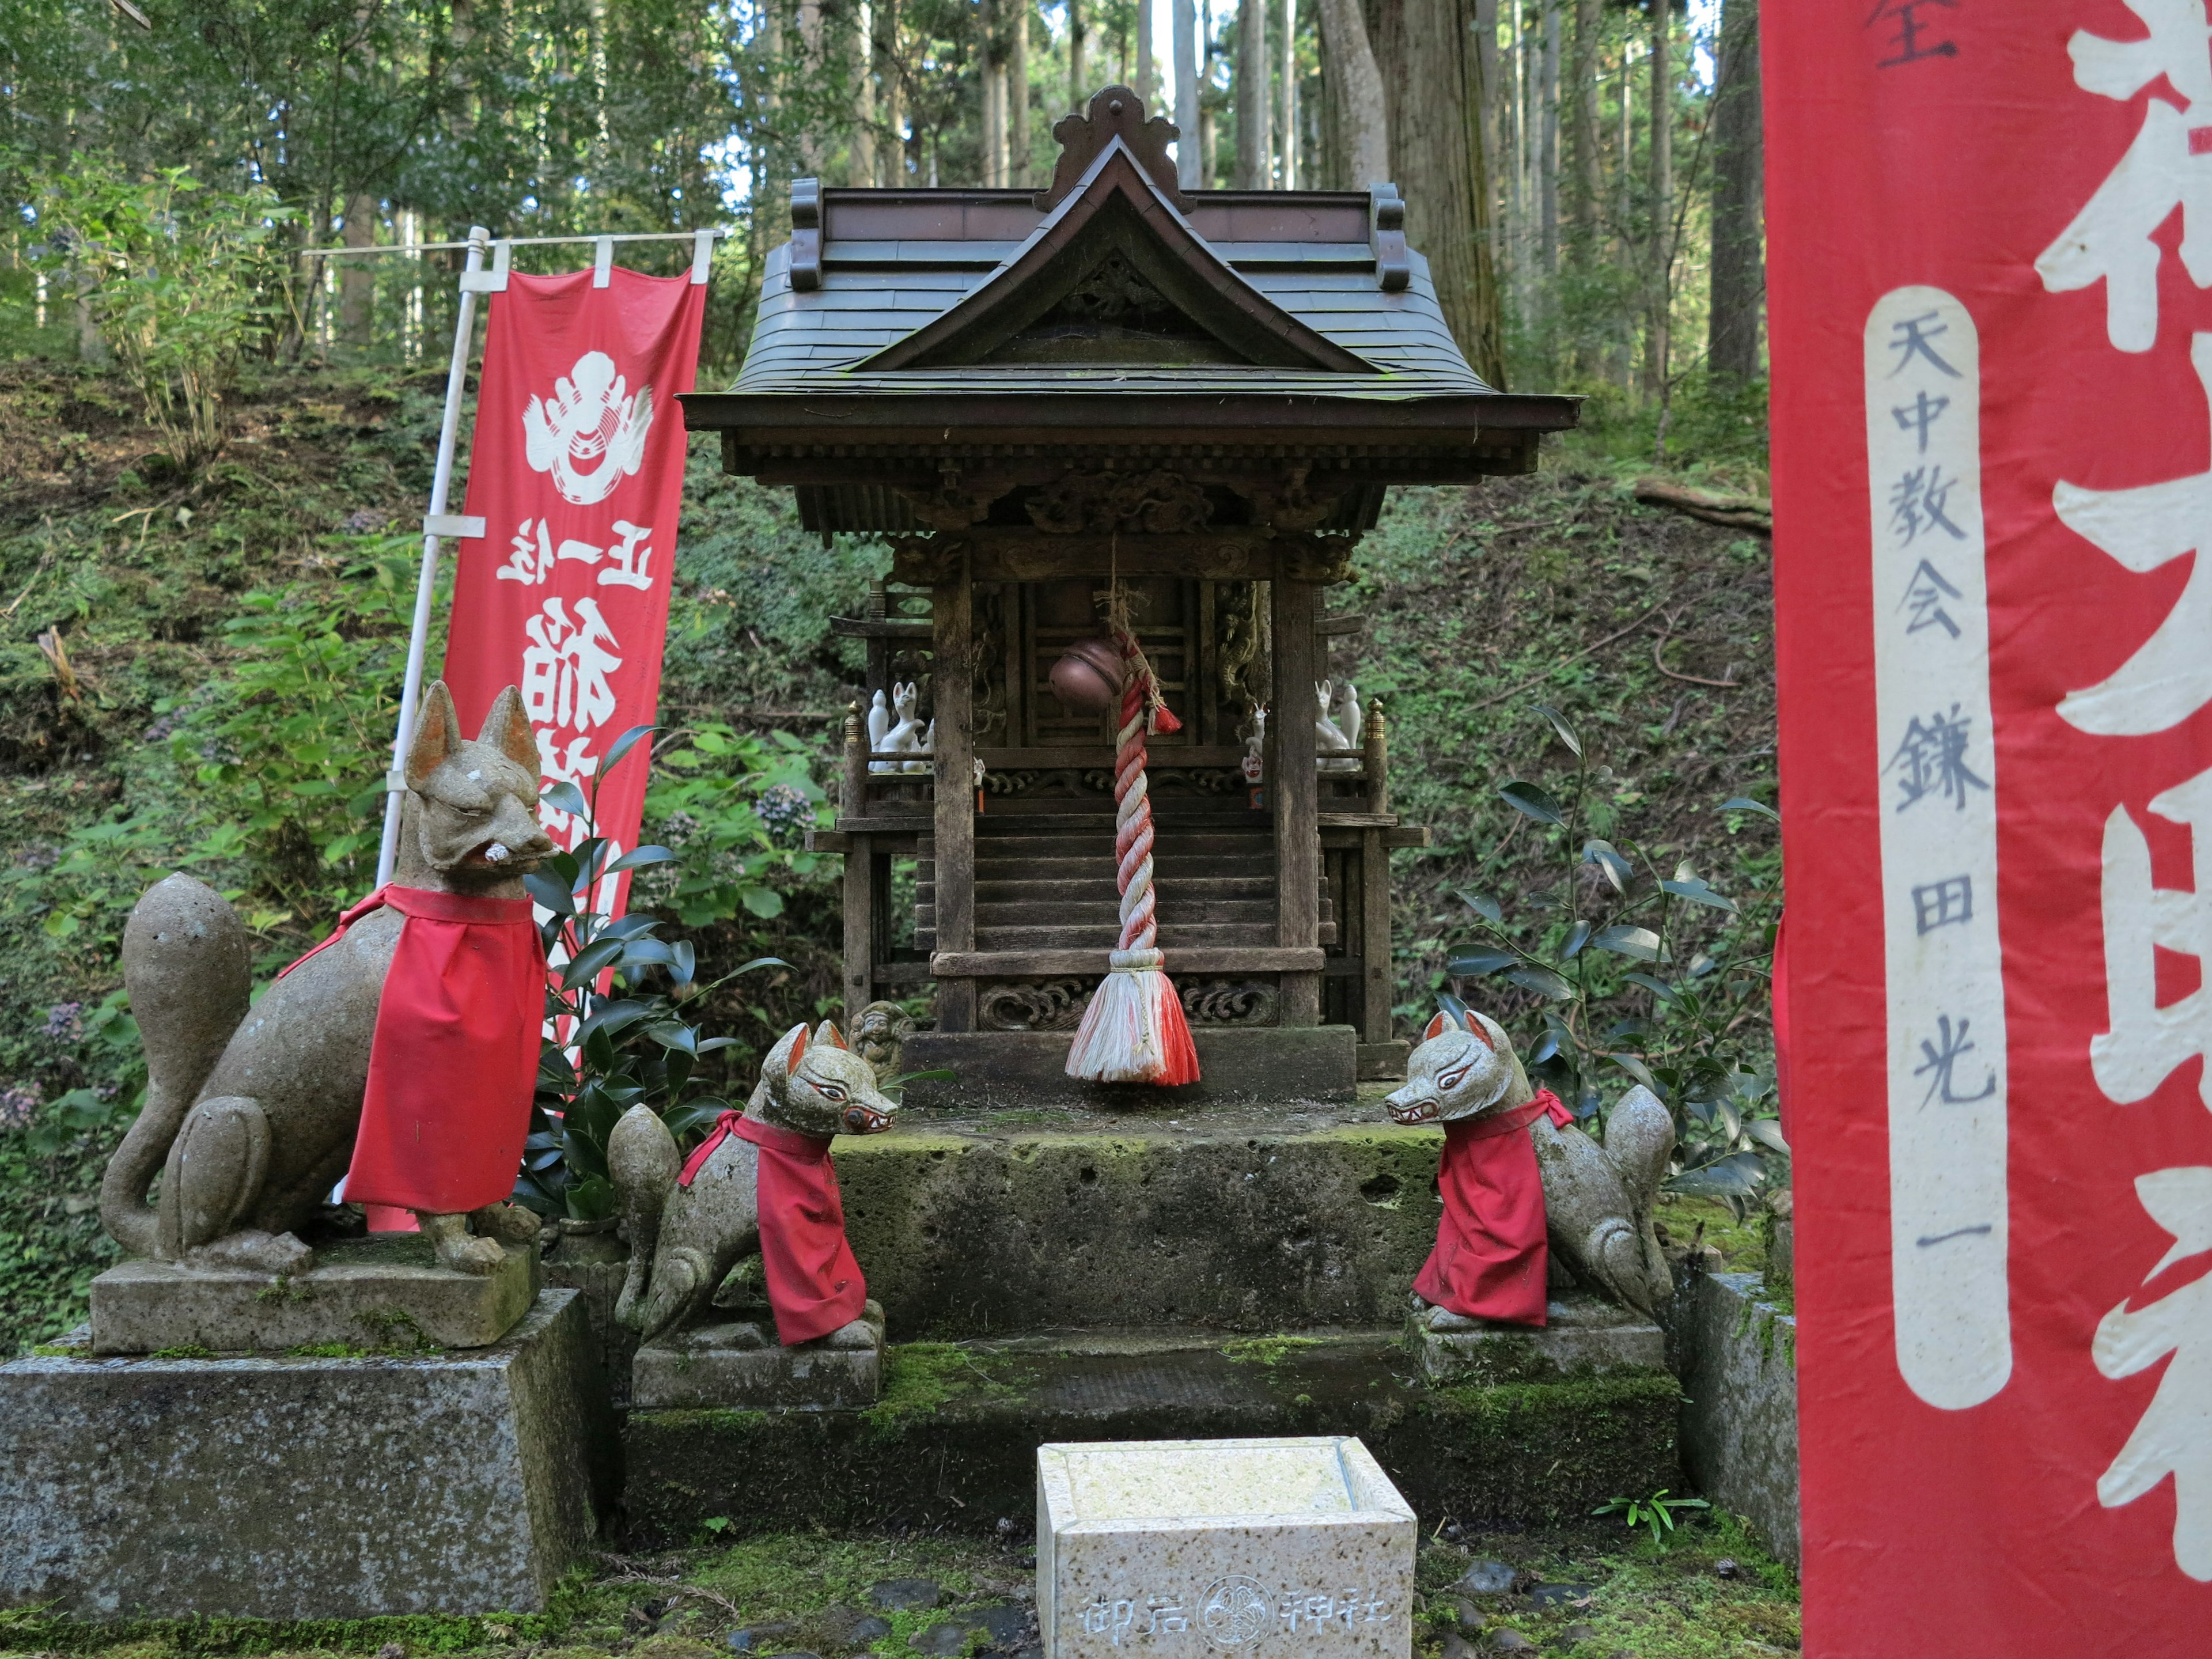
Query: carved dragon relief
(1057, 1005)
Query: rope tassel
(1134, 1030)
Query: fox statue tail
(188, 969)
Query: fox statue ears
(438, 733)
(797, 1036)
(1444, 1022)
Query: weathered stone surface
(387, 1291)
(1253, 1066)
(1236, 1221)
(1199, 1547)
(1584, 1336)
(740, 1363)
(589, 1257)
(1737, 1357)
(298, 1488)
(950, 1443)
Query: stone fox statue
(1597, 1197)
(760, 1181)
(251, 1115)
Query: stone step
(952, 1442)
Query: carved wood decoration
(1116, 112)
(1208, 555)
(1159, 502)
(1057, 1005)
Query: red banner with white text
(1990, 236)
(577, 471)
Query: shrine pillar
(1292, 792)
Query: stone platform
(385, 1292)
(1737, 1353)
(1255, 1066)
(294, 1487)
(1581, 1335)
(740, 1363)
(951, 1443)
(987, 1223)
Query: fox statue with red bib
(762, 1180)
(1530, 1200)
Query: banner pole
(411, 692)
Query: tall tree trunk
(1359, 99)
(1586, 201)
(1147, 82)
(860, 56)
(810, 153)
(1254, 107)
(994, 99)
(1488, 74)
(1078, 73)
(1288, 91)
(1547, 138)
(1435, 156)
(890, 167)
(1659, 321)
(1189, 157)
(1517, 225)
(357, 281)
(1017, 95)
(1739, 280)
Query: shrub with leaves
(1612, 932)
(737, 807)
(620, 1037)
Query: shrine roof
(1111, 306)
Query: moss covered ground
(1712, 1593)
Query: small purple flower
(784, 806)
(66, 1020)
(18, 1104)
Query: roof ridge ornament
(1113, 112)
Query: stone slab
(951, 1444)
(1737, 1356)
(294, 1488)
(739, 1364)
(387, 1291)
(1184, 1548)
(1253, 1222)
(1383, 1062)
(1581, 1337)
(1248, 1065)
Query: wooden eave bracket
(1117, 205)
(1386, 234)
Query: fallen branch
(1733, 512)
(1660, 644)
(1563, 662)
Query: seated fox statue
(1518, 1173)
(400, 1054)
(760, 1181)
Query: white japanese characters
(590, 434)
(1233, 1611)
(2168, 166)
(1938, 791)
(532, 556)
(2146, 1044)
(2175, 1435)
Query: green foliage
(1655, 1513)
(183, 281)
(737, 806)
(619, 1035)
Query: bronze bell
(1087, 678)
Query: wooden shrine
(1200, 396)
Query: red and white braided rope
(1132, 807)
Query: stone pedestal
(1583, 1336)
(282, 1487)
(382, 1293)
(738, 1365)
(1185, 1548)
(1737, 1352)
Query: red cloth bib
(1490, 1259)
(814, 1284)
(454, 1060)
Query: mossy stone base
(1582, 1336)
(381, 1292)
(1737, 1353)
(740, 1363)
(306, 1488)
(1254, 1065)
(952, 1443)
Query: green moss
(183, 1351)
(329, 1350)
(1266, 1351)
(920, 1377)
(55, 1351)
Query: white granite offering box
(1197, 1549)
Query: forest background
(214, 439)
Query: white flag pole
(436, 524)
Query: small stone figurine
(1517, 1172)
(762, 1180)
(894, 730)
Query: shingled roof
(914, 331)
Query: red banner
(1990, 229)
(577, 471)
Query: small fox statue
(251, 1116)
(690, 1224)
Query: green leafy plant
(620, 1036)
(1610, 933)
(737, 807)
(1655, 1513)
